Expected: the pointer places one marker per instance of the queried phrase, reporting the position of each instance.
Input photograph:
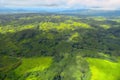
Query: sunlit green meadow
(33, 64)
(104, 69)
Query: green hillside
(103, 69)
(59, 47)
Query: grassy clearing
(105, 26)
(104, 69)
(33, 64)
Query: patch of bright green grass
(99, 18)
(33, 64)
(105, 26)
(74, 37)
(104, 69)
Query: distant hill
(20, 10)
(93, 12)
(88, 12)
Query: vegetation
(103, 69)
(59, 47)
(33, 64)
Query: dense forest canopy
(59, 47)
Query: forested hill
(59, 47)
(92, 12)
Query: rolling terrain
(37, 46)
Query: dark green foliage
(25, 34)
